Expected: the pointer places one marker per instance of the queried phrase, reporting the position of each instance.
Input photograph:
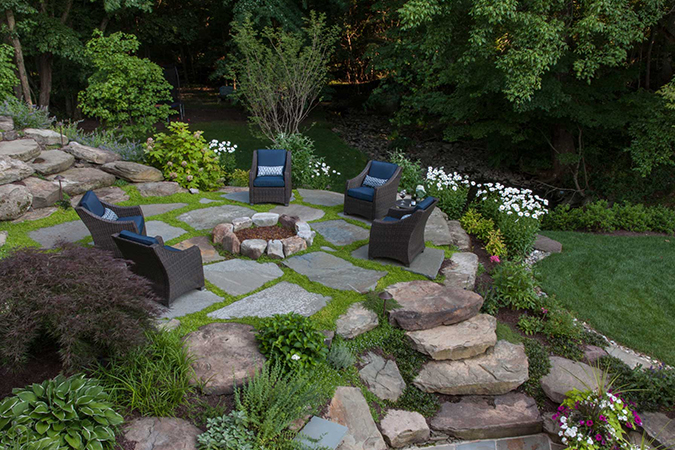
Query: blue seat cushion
(135, 237)
(362, 193)
(390, 219)
(383, 170)
(269, 182)
(91, 203)
(272, 157)
(138, 220)
(424, 204)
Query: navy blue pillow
(384, 170)
(145, 240)
(272, 157)
(91, 203)
(424, 204)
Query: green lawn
(622, 286)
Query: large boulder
(382, 377)
(21, 149)
(219, 231)
(224, 353)
(459, 341)
(160, 189)
(79, 181)
(357, 320)
(46, 137)
(293, 244)
(498, 371)
(14, 201)
(6, 124)
(546, 244)
(425, 304)
(52, 161)
(458, 237)
(513, 414)
(13, 170)
(91, 154)
(566, 375)
(659, 428)
(44, 192)
(350, 409)
(161, 433)
(134, 172)
(462, 270)
(401, 428)
(265, 219)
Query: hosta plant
(292, 340)
(61, 413)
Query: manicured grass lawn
(622, 286)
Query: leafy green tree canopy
(7, 77)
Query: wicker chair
(368, 202)
(172, 272)
(270, 189)
(90, 209)
(400, 238)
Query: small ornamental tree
(125, 91)
(7, 78)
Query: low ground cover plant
(83, 299)
(61, 413)
(292, 340)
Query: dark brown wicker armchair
(270, 189)
(172, 272)
(372, 203)
(401, 238)
(90, 209)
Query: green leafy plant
(62, 413)
(239, 177)
(651, 389)
(25, 115)
(340, 356)
(308, 170)
(530, 325)
(228, 432)
(292, 340)
(411, 171)
(514, 284)
(125, 91)
(7, 77)
(561, 323)
(153, 379)
(495, 244)
(539, 365)
(185, 157)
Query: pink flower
(598, 437)
(544, 311)
(602, 418)
(495, 259)
(589, 423)
(581, 422)
(638, 421)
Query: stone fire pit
(224, 234)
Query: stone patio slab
(340, 232)
(205, 201)
(320, 197)
(242, 196)
(282, 298)
(160, 208)
(359, 218)
(158, 228)
(36, 214)
(334, 272)
(437, 230)
(189, 303)
(67, 232)
(208, 251)
(427, 263)
(305, 213)
(207, 218)
(238, 277)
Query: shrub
(7, 77)
(631, 217)
(128, 149)
(239, 177)
(599, 217)
(539, 365)
(451, 189)
(560, 323)
(292, 340)
(63, 413)
(495, 244)
(185, 157)
(566, 347)
(563, 218)
(530, 324)
(470, 221)
(307, 170)
(514, 285)
(411, 171)
(90, 303)
(125, 91)
(152, 380)
(519, 234)
(25, 115)
(651, 389)
(661, 219)
(340, 356)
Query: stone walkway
(428, 263)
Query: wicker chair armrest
(390, 186)
(399, 212)
(124, 211)
(160, 240)
(118, 224)
(254, 169)
(357, 181)
(175, 263)
(287, 169)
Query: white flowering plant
(225, 151)
(451, 189)
(307, 169)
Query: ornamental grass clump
(83, 299)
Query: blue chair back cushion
(362, 193)
(91, 203)
(424, 204)
(383, 170)
(271, 157)
(269, 182)
(390, 219)
(138, 220)
(140, 239)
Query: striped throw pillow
(109, 214)
(373, 182)
(270, 171)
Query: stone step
(13, 170)
(498, 371)
(350, 409)
(52, 161)
(401, 428)
(91, 154)
(474, 417)
(46, 137)
(462, 271)
(459, 341)
(531, 442)
(425, 305)
(21, 149)
(133, 172)
(79, 181)
(357, 320)
(154, 433)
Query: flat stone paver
(437, 230)
(334, 272)
(238, 277)
(427, 263)
(339, 232)
(36, 214)
(323, 198)
(242, 196)
(282, 298)
(160, 208)
(189, 303)
(207, 218)
(208, 251)
(359, 218)
(67, 232)
(305, 213)
(205, 201)
(159, 228)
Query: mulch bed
(41, 365)
(265, 233)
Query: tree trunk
(18, 55)
(563, 144)
(45, 64)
